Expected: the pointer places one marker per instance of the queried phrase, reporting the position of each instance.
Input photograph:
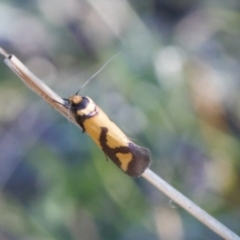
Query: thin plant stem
(189, 206)
(56, 102)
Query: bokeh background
(174, 89)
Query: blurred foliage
(174, 89)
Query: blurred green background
(174, 89)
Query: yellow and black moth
(129, 157)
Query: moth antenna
(95, 74)
(59, 102)
(69, 108)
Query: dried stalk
(53, 99)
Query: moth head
(74, 100)
(82, 106)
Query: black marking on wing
(140, 156)
(80, 119)
(141, 160)
(111, 152)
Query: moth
(128, 156)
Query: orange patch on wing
(115, 137)
(125, 159)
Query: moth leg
(106, 157)
(82, 126)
